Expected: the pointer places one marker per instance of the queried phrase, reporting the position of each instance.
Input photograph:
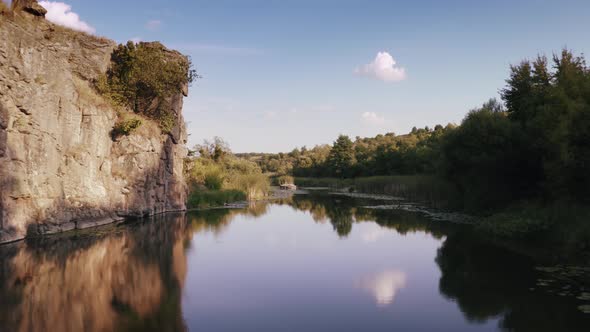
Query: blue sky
(281, 74)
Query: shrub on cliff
(143, 77)
(126, 127)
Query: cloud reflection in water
(384, 285)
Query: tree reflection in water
(487, 281)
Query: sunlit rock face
(107, 284)
(59, 166)
(383, 286)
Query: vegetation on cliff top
(144, 77)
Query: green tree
(341, 156)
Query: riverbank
(560, 225)
(428, 189)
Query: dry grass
(87, 93)
(3, 7)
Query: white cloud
(372, 118)
(62, 14)
(153, 25)
(383, 68)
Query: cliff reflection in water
(127, 278)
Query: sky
(283, 74)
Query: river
(306, 263)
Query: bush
(213, 181)
(217, 169)
(144, 77)
(126, 127)
(205, 172)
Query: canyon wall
(60, 168)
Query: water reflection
(383, 286)
(127, 278)
(133, 277)
(488, 281)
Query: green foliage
(389, 154)
(551, 109)
(484, 156)
(341, 156)
(126, 127)
(212, 198)
(216, 149)
(215, 168)
(213, 181)
(144, 77)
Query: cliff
(60, 168)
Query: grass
(424, 188)
(211, 198)
(255, 185)
(564, 224)
(229, 173)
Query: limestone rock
(30, 6)
(59, 167)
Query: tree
(215, 149)
(341, 156)
(484, 158)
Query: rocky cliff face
(59, 167)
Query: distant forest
(535, 143)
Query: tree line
(534, 143)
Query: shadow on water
(131, 276)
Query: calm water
(311, 263)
